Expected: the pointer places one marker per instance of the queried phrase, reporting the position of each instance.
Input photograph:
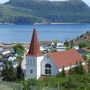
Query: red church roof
(65, 58)
(34, 49)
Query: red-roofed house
(38, 64)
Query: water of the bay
(61, 32)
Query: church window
(48, 69)
(28, 62)
(31, 71)
(31, 61)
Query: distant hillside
(31, 11)
(10, 14)
(83, 40)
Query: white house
(42, 48)
(76, 47)
(60, 48)
(38, 64)
(59, 44)
(12, 58)
(6, 51)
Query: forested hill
(31, 11)
(83, 40)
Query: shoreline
(42, 23)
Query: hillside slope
(10, 14)
(72, 11)
(83, 40)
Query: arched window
(48, 69)
(31, 71)
(47, 66)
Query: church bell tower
(33, 58)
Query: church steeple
(34, 49)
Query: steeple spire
(34, 49)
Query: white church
(38, 64)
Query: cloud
(3, 1)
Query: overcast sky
(86, 1)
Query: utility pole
(58, 86)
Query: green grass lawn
(10, 86)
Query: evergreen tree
(88, 65)
(8, 73)
(66, 43)
(63, 72)
(19, 58)
(19, 73)
(71, 43)
(19, 49)
(82, 44)
(71, 71)
(79, 68)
